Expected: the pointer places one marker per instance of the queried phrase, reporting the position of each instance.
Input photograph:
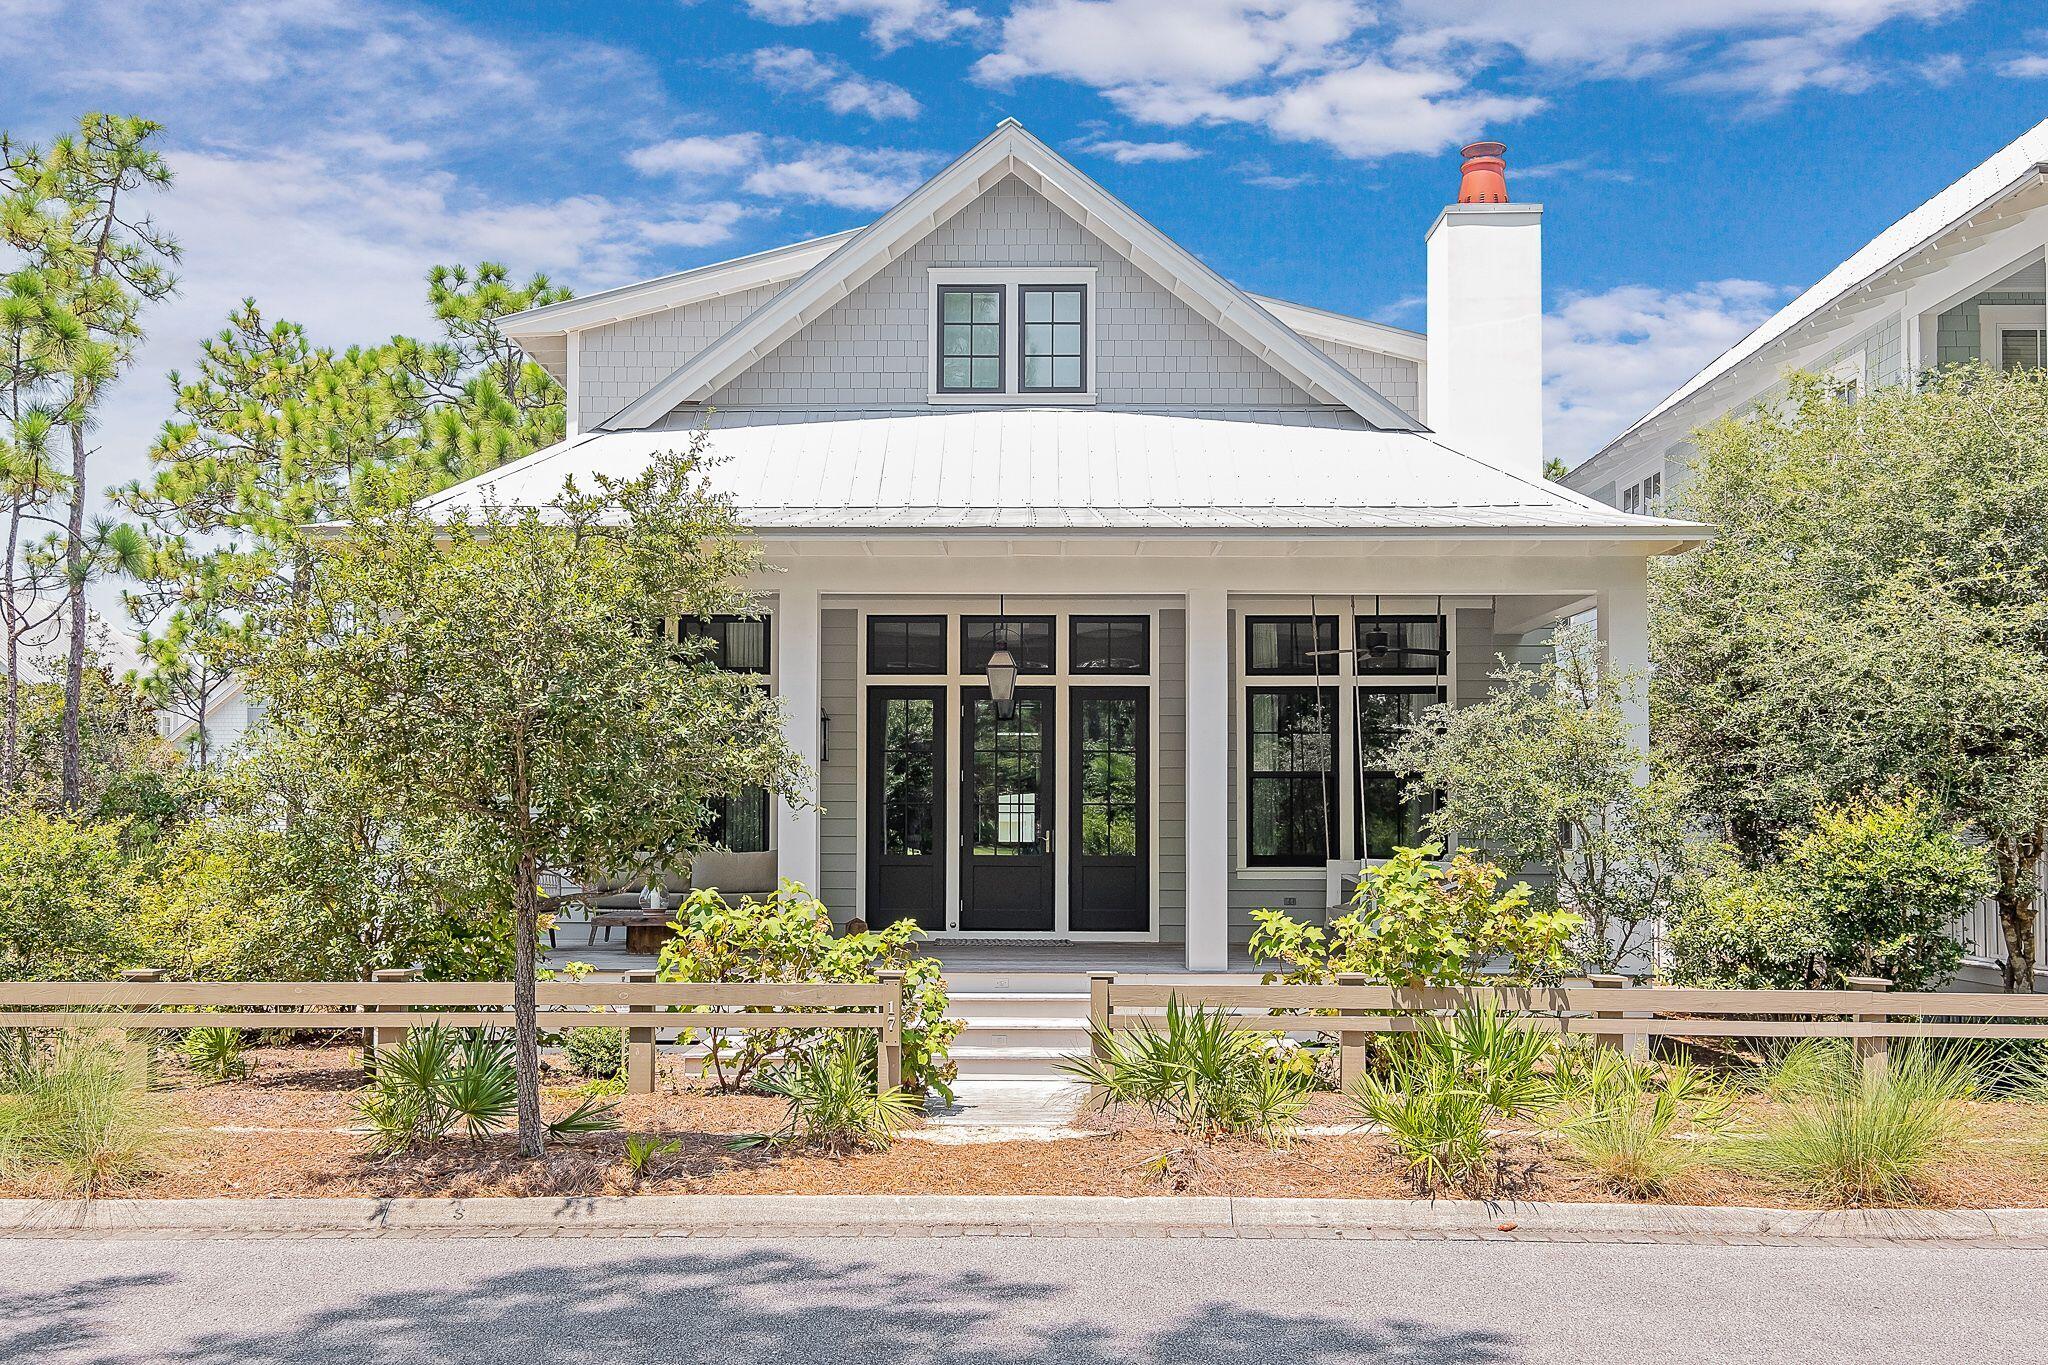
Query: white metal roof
(1991, 180)
(1069, 470)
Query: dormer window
(1054, 347)
(1016, 334)
(970, 339)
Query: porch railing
(1609, 1011)
(398, 1005)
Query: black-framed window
(1291, 773)
(1290, 644)
(970, 334)
(1052, 324)
(1387, 817)
(1110, 644)
(1401, 644)
(907, 644)
(739, 822)
(1030, 639)
(737, 644)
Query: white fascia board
(673, 291)
(1009, 150)
(1324, 325)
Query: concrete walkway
(1006, 1111)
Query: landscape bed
(285, 1131)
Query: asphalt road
(1001, 1301)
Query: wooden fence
(399, 1003)
(1608, 1010)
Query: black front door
(1007, 787)
(906, 806)
(1108, 847)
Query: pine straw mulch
(282, 1132)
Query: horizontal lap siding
(839, 781)
(1172, 745)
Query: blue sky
(1699, 161)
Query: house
(1960, 278)
(1099, 586)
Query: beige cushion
(735, 874)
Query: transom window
(1110, 644)
(1030, 639)
(907, 644)
(1290, 644)
(971, 339)
(1055, 350)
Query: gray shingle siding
(1957, 335)
(872, 349)
(1394, 379)
(622, 360)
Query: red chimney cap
(1484, 178)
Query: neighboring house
(1231, 544)
(1960, 278)
(230, 715)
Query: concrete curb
(1450, 1216)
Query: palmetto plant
(833, 1101)
(1200, 1072)
(432, 1082)
(215, 1054)
(1448, 1086)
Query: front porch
(1040, 957)
(1175, 757)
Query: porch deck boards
(958, 955)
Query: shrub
(642, 1151)
(215, 1054)
(75, 1106)
(833, 1101)
(1637, 1125)
(1872, 888)
(598, 1054)
(1200, 1073)
(1857, 1140)
(1414, 923)
(63, 884)
(1448, 1086)
(788, 937)
(431, 1082)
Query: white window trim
(1007, 278)
(1995, 318)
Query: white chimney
(1485, 345)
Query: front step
(1011, 1063)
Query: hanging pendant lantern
(1002, 670)
(1378, 641)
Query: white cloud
(2025, 67)
(845, 177)
(890, 22)
(1612, 356)
(692, 156)
(1372, 110)
(842, 91)
(1135, 153)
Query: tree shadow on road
(755, 1304)
(70, 1318)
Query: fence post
(1350, 1041)
(640, 1042)
(381, 1038)
(1607, 1037)
(1874, 1054)
(889, 1055)
(137, 1044)
(1099, 984)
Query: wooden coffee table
(648, 933)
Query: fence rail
(389, 1007)
(1609, 1011)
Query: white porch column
(1208, 780)
(1624, 627)
(796, 681)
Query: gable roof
(1007, 151)
(2005, 171)
(1065, 472)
